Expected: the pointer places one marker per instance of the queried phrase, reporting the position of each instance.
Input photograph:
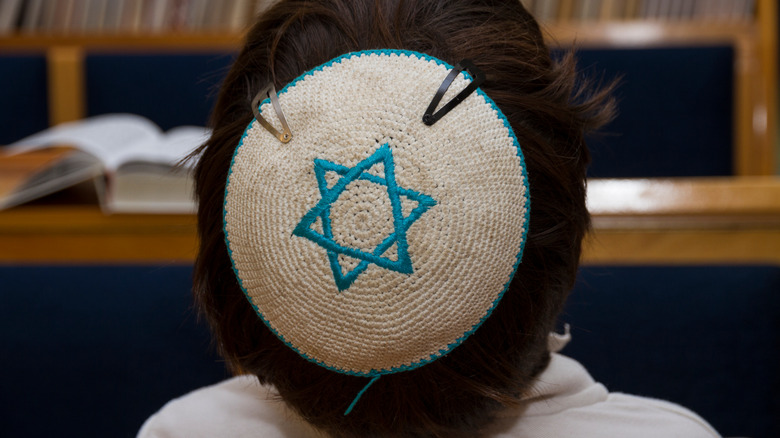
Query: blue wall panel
(24, 108)
(675, 106)
(169, 89)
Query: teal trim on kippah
(374, 374)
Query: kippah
(372, 242)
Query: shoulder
(238, 407)
(656, 415)
(633, 416)
(566, 401)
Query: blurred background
(678, 296)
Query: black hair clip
(429, 118)
(286, 135)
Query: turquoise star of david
(400, 223)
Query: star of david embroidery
(401, 224)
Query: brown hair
(550, 110)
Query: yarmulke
(372, 243)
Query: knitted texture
(372, 243)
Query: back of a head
(549, 109)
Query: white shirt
(564, 402)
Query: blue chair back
(170, 89)
(93, 351)
(706, 337)
(24, 108)
(676, 107)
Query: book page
(102, 136)
(153, 178)
(171, 148)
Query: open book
(137, 167)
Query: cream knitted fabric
(372, 243)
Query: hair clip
(270, 91)
(429, 118)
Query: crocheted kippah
(371, 242)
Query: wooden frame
(716, 220)
(684, 221)
(755, 42)
(65, 60)
(755, 92)
(82, 234)
(67, 92)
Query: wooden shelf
(83, 234)
(683, 246)
(179, 42)
(645, 34)
(702, 202)
(684, 221)
(601, 34)
(677, 221)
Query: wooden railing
(679, 221)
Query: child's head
(549, 111)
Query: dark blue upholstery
(705, 337)
(676, 108)
(169, 89)
(24, 108)
(93, 351)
